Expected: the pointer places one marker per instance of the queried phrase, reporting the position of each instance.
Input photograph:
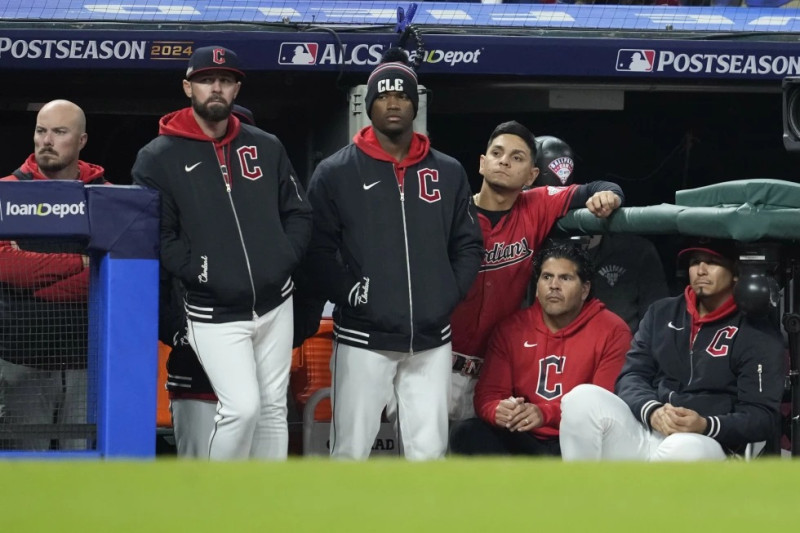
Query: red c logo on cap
(219, 56)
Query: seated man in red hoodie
(43, 333)
(539, 354)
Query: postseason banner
(643, 59)
(43, 209)
(744, 42)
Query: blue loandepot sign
(284, 38)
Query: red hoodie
(182, 123)
(368, 142)
(526, 359)
(60, 277)
(728, 307)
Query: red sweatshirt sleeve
(72, 289)
(551, 413)
(495, 382)
(32, 269)
(612, 358)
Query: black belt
(466, 366)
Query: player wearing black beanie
(393, 73)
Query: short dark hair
(512, 127)
(565, 250)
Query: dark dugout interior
(662, 140)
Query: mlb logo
(298, 54)
(635, 60)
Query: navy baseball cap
(722, 248)
(214, 58)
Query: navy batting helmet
(555, 161)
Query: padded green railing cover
(745, 210)
(774, 194)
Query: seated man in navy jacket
(701, 379)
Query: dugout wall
(119, 228)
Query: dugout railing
(118, 226)
(763, 217)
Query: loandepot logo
(308, 53)
(733, 64)
(44, 209)
(450, 57)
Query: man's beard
(51, 165)
(216, 113)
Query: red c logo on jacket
(429, 195)
(720, 344)
(247, 157)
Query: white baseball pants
(248, 365)
(192, 423)
(598, 425)
(364, 382)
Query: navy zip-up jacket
(409, 226)
(732, 373)
(235, 221)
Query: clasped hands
(515, 414)
(669, 419)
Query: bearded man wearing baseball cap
(235, 223)
(701, 380)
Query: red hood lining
(182, 123)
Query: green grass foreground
(393, 495)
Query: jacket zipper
(226, 178)
(408, 266)
(759, 378)
(691, 356)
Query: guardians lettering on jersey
(501, 256)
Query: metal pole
(791, 322)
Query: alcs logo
(308, 54)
